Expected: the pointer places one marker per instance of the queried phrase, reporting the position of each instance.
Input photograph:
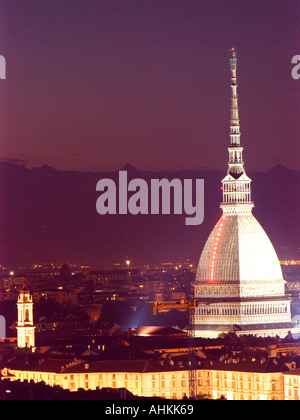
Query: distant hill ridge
(49, 215)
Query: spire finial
(233, 52)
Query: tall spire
(236, 185)
(234, 121)
(236, 164)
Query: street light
(128, 263)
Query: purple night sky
(94, 84)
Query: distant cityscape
(87, 323)
(90, 290)
(77, 286)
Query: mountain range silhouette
(48, 215)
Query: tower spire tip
(233, 52)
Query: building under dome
(239, 284)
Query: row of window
(212, 291)
(237, 197)
(234, 187)
(220, 291)
(245, 310)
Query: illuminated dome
(239, 251)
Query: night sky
(95, 84)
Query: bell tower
(25, 327)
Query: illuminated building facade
(25, 327)
(291, 385)
(235, 377)
(239, 282)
